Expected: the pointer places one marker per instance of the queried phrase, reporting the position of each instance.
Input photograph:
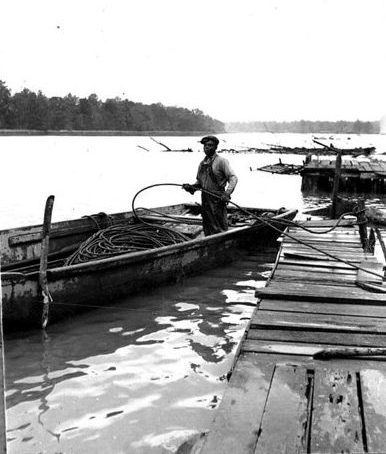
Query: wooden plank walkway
(282, 400)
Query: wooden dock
(356, 175)
(282, 400)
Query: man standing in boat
(216, 176)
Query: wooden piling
(335, 190)
(381, 242)
(362, 224)
(47, 299)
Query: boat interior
(21, 246)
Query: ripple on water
(157, 367)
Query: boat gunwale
(121, 214)
(137, 257)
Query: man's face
(210, 148)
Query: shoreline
(108, 133)
(33, 132)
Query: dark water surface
(142, 376)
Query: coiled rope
(122, 239)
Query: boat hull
(79, 287)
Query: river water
(147, 373)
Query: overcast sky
(235, 60)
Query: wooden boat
(75, 287)
(281, 168)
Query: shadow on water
(140, 377)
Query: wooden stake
(362, 224)
(335, 190)
(47, 299)
(381, 242)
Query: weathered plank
(323, 229)
(323, 308)
(335, 235)
(345, 254)
(318, 269)
(307, 244)
(238, 417)
(306, 261)
(376, 267)
(327, 223)
(336, 258)
(324, 322)
(315, 277)
(285, 416)
(322, 293)
(284, 348)
(373, 385)
(336, 422)
(327, 246)
(325, 242)
(319, 337)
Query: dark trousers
(214, 215)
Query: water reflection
(139, 379)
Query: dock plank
(350, 271)
(285, 348)
(373, 384)
(305, 307)
(345, 253)
(336, 423)
(328, 246)
(335, 242)
(306, 261)
(318, 256)
(285, 416)
(319, 337)
(348, 234)
(320, 322)
(315, 277)
(327, 223)
(300, 291)
(235, 426)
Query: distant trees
(5, 96)
(303, 126)
(29, 110)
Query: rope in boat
(122, 239)
(287, 222)
(267, 222)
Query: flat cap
(208, 138)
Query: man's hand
(225, 197)
(189, 188)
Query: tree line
(35, 111)
(303, 126)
